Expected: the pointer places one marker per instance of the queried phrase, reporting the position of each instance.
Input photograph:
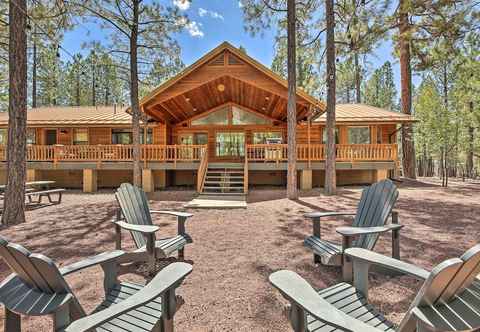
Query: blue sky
(215, 21)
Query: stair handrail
(245, 171)
(202, 170)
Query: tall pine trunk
(358, 96)
(34, 70)
(471, 140)
(292, 192)
(408, 147)
(330, 171)
(14, 202)
(137, 171)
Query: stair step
(222, 188)
(225, 171)
(225, 182)
(221, 176)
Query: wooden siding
(99, 136)
(64, 136)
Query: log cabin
(218, 126)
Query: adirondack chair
(445, 302)
(134, 215)
(37, 287)
(376, 204)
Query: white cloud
(194, 29)
(182, 4)
(240, 4)
(204, 12)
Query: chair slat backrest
(35, 270)
(134, 205)
(376, 204)
(444, 297)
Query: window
(230, 144)
(219, 117)
(122, 136)
(80, 136)
(358, 135)
(261, 137)
(31, 136)
(149, 136)
(232, 115)
(324, 136)
(3, 136)
(241, 117)
(125, 136)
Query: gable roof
(362, 113)
(74, 115)
(242, 58)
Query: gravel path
(236, 250)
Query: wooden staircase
(224, 179)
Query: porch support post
(147, 180)
(380, 174)
(89, 180)
(160, 178)
(32, 175)
(306, 179)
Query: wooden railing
(100, 153)
(317, 152)
(202, 170)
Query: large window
(324, 136)
(219, 117)
(230, 144)
(125, 136)
(242, 117)
(80, 136)
(359, 135)
(264, 137)
(231, 115)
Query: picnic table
(42, 185)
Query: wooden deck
(194, 153)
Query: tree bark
(292, 192)
(34, 70)
(408, 146)
(330, 171)
(77, 88)
(14, 202)
(471, 140)
(137, 171)
(94, 83)
(357, 79)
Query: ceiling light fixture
(221, 87)
(187, 99)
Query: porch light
(194, 109)
(187, 99)
(267, 98)
(221, 87)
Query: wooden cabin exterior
(225, 110)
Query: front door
(230, 145)
(51, 137)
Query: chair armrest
(181, 218)
(302, 296)
(173, 213)
(146, 229)
(167, 279)
(354, 231)
(317, 214)
(373, 258)
(91, 261)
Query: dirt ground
(234, 251)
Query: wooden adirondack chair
(37, 287)
(446, 301)
(134, 215)
(376, 204)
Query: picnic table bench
(45, 193)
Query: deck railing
(101, 153)
(317, 152)
(194, 153)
